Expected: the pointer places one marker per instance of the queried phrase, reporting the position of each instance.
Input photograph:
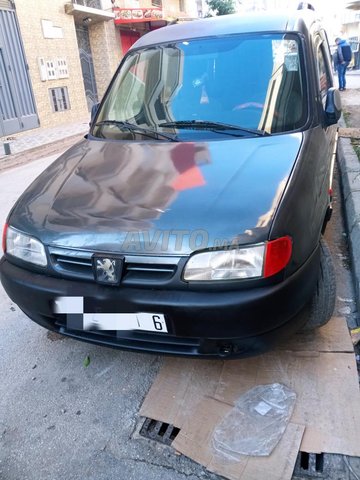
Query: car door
(328, 133)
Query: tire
(321, 307)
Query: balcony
(88, 11)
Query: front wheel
(321, 307)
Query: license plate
(151, 322)
(79, 318)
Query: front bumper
(200, 323)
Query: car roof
(293, 21)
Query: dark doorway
(87, 65)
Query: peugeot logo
(108, 270)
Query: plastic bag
(256, 423)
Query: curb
(349, 167)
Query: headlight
(226, 264)
(262, 260)
(23, 246)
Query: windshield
(249, 81)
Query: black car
(189, 220)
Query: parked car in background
(189, 220)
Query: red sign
(134, 15)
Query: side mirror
(332, 106)
(94, 110)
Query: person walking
(343, 59)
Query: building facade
(134, 18)
(351, 30)
(57, 57)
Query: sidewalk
(40, 142)
(349, 169)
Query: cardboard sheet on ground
(194, 395)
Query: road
(62, 420)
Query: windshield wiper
(214, 126)
(131, 126)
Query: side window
(323, 71)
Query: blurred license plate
(152, 322)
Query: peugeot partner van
(189, 220)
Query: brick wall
(30, 15)
(106, 53)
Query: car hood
(159, 197)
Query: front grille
(137, 269)
(74, 266)
(135, 272)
